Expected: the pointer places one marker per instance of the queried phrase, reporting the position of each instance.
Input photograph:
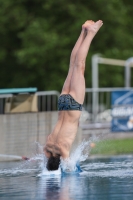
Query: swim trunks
(67, 102)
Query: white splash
(38, 161)
(80, 154)
(68, 165)
(45, 172)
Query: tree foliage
(37, 38)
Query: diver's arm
(46, 152)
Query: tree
(37, 38)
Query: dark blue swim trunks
(67, 102)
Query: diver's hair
(53, 163)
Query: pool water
(101, 179)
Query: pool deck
(105, 134)
(102, 131)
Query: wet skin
(59, 142)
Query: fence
(3, 97)
(97, 102)
(47, 100)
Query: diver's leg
(77, 86)
(66, 86)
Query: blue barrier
(122, 111)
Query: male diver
(70, 102)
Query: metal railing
(47, 100)
(3, 97)
(98, 100)
(97, 59)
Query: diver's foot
(94, 28)
(85, 25)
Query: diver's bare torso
(59, 142)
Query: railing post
(95, 85)
(128, 64)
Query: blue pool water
(101, 179)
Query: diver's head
(53, 163)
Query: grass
(113, 147)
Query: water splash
(71, 164)
(34, 164)
(38, 161)
(79, 155)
